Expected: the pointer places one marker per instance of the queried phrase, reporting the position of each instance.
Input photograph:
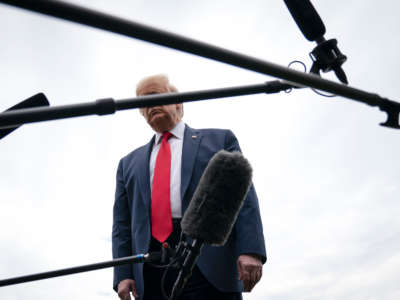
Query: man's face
(161, 118)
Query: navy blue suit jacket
(131, 230)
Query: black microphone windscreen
(307, 18)
(218, 198)
(34, 101)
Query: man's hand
(125, 287)
(250, 270)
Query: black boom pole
(136, 30)
(79, 269)
(86, 16)
(109, 106)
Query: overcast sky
(325, 172)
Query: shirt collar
(178, 132)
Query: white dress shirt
(176, 144)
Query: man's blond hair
(156, 84)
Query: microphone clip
(187, 254)
(166, 254)
(326, 57)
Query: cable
(305, 70)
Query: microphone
(306, 18)
(34, 101)
(218, 198)
(213, 210)
(326, 56)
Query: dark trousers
(197, 287)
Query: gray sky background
(325, 172)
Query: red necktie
(161, 220)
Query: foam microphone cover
(34, 101)
(307, 18)
(218, 198)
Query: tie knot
(166, 135)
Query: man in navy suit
(221, 272)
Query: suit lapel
(190, 148)
(144, 181)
